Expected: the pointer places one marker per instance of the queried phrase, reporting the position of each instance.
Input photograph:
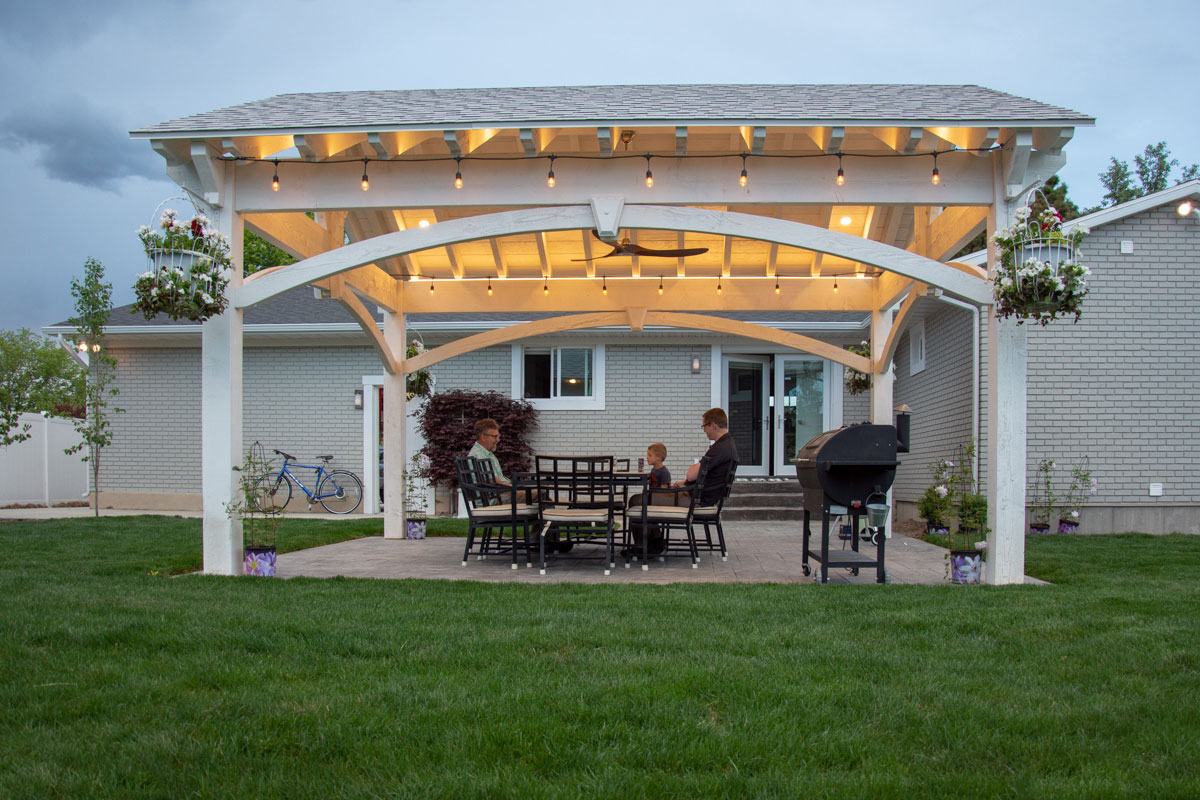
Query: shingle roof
(809, 104)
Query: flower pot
(415, 527)
(966, 567)
(260, 561)
(1043, 251)
(1068, 526)
(1039, 528)
(940, 529)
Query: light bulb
(431, 286)
(835, 285)
(777, 286)
(545, 288)
(550, 179)
(458, 180)
(604, 286)
(660, 284)
(1185, 208)
(489, 287)
(83, 347)
(742, 178)
(275, 179)
(718, 285)
(649, 174)
(841, 177)
(935, 179)
(366, 184)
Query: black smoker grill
(839, 472)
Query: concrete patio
(759, 552)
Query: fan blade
(681, 253)
(616, 251)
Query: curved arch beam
(573, 322)
(259, 287)
(898, 326)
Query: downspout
(974, 373)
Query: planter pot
(174, 259)
(1068, 526)
(260, 561)
(1040, 528)
(966, 567)
(415, 527)
(939, 529)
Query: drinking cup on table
(641, 465)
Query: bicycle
(338, 491)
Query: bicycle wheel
(340, 492)
(272, 493)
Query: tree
(35, 375)
(258, 253)
(447, 422)
(1055, 192)
(1153, 168)
(93, 304)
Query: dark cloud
(37, 25)
(76, 142)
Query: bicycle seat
(286, 456)
(326, 459)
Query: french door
(746, 391)
(800, 409)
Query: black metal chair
(710, 516)
(668, 518)
(493, 508)
(576, 501)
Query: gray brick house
(1118, 388)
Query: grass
(117, 681)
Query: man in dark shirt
(721, 455)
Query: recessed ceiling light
(846, 220)
(423, 223)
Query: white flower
(1075, 514)
(941, 491)
(206, 297)
(419, 345)
(1022, 213)
(949, 463)
(981, 545)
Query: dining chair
(493, 508)
(710, 516)
(576, 501)
(670, 518)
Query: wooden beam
(633, 259)
(680, 267)
(952, 229)
(527, 142)
(351, 302)
(758, 140)
(1017, 162)
(210, 170)
(320, 146)
(587, 253)
(898, 324)
(450, 138)
(824, 217)
(498, 257)
(1052, 140)
(681, 140)
(539, 239)
(389, 144)
(726, 256)
(837, 135)
(604, 140)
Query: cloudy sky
(77, 75)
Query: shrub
(448, 424)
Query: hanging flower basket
(1041, 275)
(858, 382)
(189, 269)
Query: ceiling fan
(627, 248)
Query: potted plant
(1040, 275)
(254, 505)
(965, 565)
(419, 383)
(1083, 486)
(858, 382)
(934, 505)
(415, 488)
(189, 271)
(1042, 498)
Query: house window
(559, 377)
(916, 348)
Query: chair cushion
(499, 512)
(557, 514)
(676, 512)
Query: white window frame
(593, 403)
(916, 348)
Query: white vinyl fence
(37, 471)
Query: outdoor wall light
(358, 399)
(695, 363)
(1187, 208)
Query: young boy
(660, 477)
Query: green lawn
(119, 681)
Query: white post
(46, 457)
(221, 413)
(1006, 426)
(882, 384)
(394, 396)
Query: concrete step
(766, 486)
(744, 499)
(764, 513)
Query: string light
(603, 286)
(841, 176)
(545, 286)
(649, 174)
(275, 179)
(366, 184)
(718, 285)
(660, 284)
(742, 178)
(776, 284)
(550, 176)
(489, 286)
(835, 285)
(935, 179)
(458, 174)
(431, 285)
